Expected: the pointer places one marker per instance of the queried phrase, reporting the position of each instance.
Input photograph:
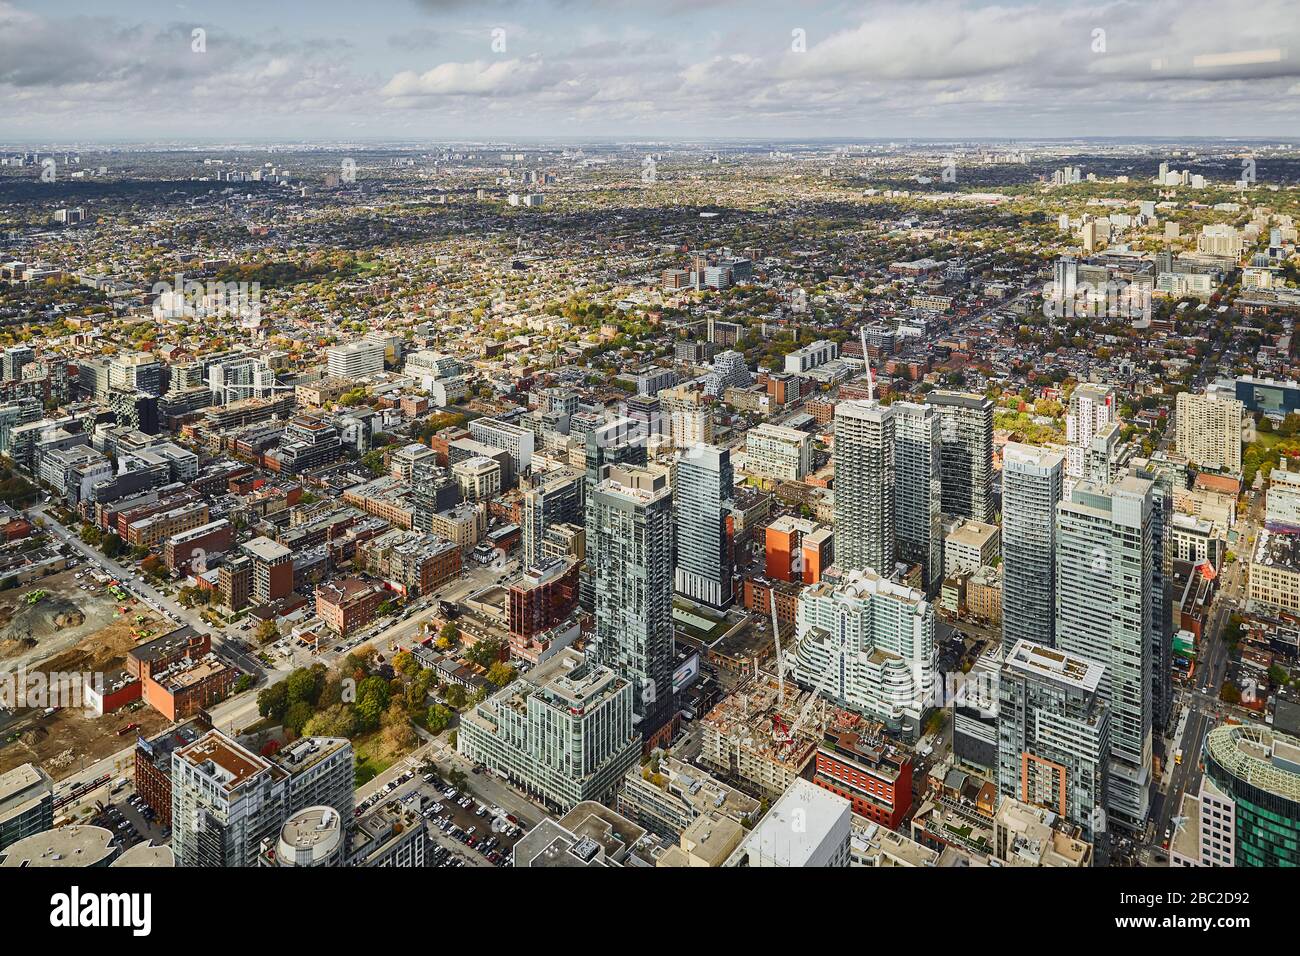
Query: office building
(1031, 488)
(1247, 812)
(704, 526)
(807, 827)
(969, 546)
(354, 360)
(26, 803)
(864, 487)
(966, 436)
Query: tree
(112, 545)
(273, 701)
(456, 696)
(404, 663)
(296, 717)
(486, 652)
(1230, 693)
(304, 685)
(438, 719)
(267, 631)
(500, 674)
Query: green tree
(439, 718)
(273, 701)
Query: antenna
(866, 360)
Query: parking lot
(463, 829)
(130, 819)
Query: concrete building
(564, 732)
(1053, 733)
(687, 417)
(777, 452)
(704, 529)
(867, 644)
(970, 546)
(354, 360)
(1031, 488)
(864, 486)
(1207, 430)
(1247, 812)
(631, 511)
(1107, 611)
(510, 438)
(26, 803)
(1092, 407)
(918, 489)
(807, 827)
(966, 429)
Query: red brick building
(855, 761)
(543, 598)
(348, 604)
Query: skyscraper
(614, 442)
(705, 556)
(1031, 489)
(1105, 611)
(1092, 407)
(918, 490)
(1053, 733)
(1207, 429)
(868, 644)
(553, 498)
(966, 432)
(864, 486)
(630, 512)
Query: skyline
(569, 69)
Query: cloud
(946, 67)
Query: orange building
(797, 550)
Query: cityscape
(527, 460)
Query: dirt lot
(69, 630)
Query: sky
(85, 71)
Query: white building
(806, 827)
(867, 644)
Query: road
(151, 595)
(1201, 699)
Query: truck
(1178, 755)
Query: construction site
(68, 625)
(762, 737)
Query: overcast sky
(428, 70)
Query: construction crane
(786, 734)
(866, 360)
